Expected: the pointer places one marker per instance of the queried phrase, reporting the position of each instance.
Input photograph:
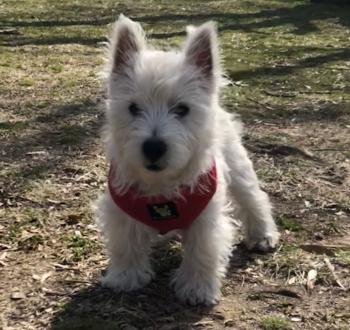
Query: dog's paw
(196, 289)
(265, 241)
(127, 280)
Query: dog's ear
(127, 40)
(201, 50)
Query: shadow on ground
(97, 308)
(309, 62)
(153, 307)
(301, 17)
(48, 143)
(323, 112)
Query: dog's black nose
(153, 149)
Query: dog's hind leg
(254, 205)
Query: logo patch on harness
(163, 211)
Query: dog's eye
(134, 109)
(181, 110)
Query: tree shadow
(54, 40)
(60, 127)
(55, 139)
(152, 307)
(272, 17)
(327, 112)
(310, 62)
(301, 17)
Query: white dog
(175, 156)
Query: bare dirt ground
(290, 66)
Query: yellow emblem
(163, 211)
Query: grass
(31, 243)
(56, 68)
(286, 262)
(31, 220)
(80, 247)
(13, 126)
(289, 224)
(26, 82)
(289, 66)
(343, 257)
(274, 323)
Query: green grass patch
(80, 247)
(274, 323)
(31, 243)
(13, 126)
(343, 257)
(289, 224)
(30, 218)
(286, 262)
(26, 82)
(56, 68)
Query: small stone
(17, 295)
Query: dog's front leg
(254, 205)
(128, 244)
(207, 247)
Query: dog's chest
(165, 214)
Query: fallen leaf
(45, 276)
(42, 278)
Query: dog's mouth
(154, 167)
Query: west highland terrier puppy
(176, 158)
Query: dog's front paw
(126, 280)
(264, 241)
(196, 288)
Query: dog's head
(160, 114)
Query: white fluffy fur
(158, 81)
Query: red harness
(165, 214)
